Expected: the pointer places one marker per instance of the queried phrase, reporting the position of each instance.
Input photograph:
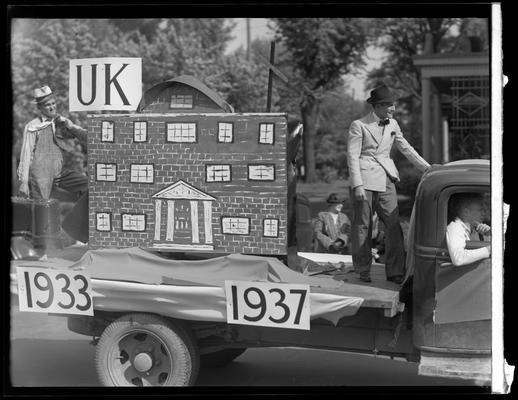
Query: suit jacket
(326, 231)
(368, 153)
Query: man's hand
(489, 250)
(338, 244)
(23, 190)
(431, 166)
(359, 193)
(483, 229)
(64, 120)
(298, 130)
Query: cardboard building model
(187, 173)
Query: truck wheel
(146, 350)
(220, 358)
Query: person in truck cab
(373, 175)
(467, 213)
(332, 228)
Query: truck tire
(146, 350)
(220, 358)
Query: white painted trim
(194, 222)
(170, 220)
(200, 195)
(207, 217)
(182, 246)
(161, 115)
(158, 218)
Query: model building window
(225, 132)
(134, 222)
(139, 131)
(141, 173)
(218, 173)
(106, 172)
(107, 128)
(181, 101)
(266, 133)
(261, 172)
(181, 132)
(103, 222)
(270, 227)
(235, 225)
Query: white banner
(278, 305)
(111, 83)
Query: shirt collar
(465, 225)
(376, 118)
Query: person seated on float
(332, 228)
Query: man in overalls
(373, 177)
(41, 158)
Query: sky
(259, 29)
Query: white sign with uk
(109, 83)
(54, 291)
(278, 305)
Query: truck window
(482, 200)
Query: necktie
(383, 122)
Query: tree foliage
(321, 51)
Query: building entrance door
(182, 222)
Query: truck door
(462, 314)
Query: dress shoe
(365, 278)
(396, 279)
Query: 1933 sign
(278, 305)
(54, 291)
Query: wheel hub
(143, 362)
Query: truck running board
(474, 367)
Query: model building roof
(154, 92)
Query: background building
(455, 105)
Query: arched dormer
(183, 94)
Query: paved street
(45, 353)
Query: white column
(194, 222)
(207, 218)
(158, 218)
(170, 220)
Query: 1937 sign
(54, 291)
(278, 305)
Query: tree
(403, 38)
(321, 50)
(338, 111)
(40, 50)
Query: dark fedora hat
(333, 199)
(382, 94)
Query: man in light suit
(373, 175)
(332, 228)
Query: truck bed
(379, 293)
